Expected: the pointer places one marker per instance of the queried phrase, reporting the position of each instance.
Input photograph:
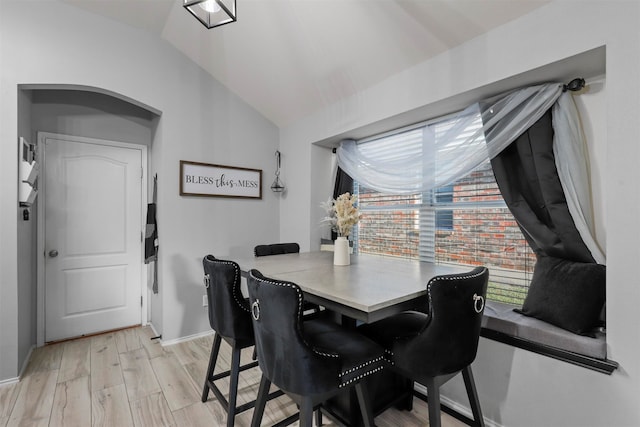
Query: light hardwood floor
(124, 379)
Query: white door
(93, 248)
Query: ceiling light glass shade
(212, 13)
(210, 6)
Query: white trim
(93, 89)
(153, 328)
(187, 338)
(40, 249)
(40, 301)
(40, 314)
(26, 362)
(144, 182)
(9, 381)
(17, 379)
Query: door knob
(53, 253)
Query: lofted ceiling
(290, 58)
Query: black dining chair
(311, 309)
(230, 318)
(276, 249)
(433, 346)
(310, 360)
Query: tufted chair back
(449, 337)
(228, 309)
(285, 357)
(276, 249)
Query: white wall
(89, 114)
(47, 42)
(520, 388)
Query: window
(444, 217)
(464, 223)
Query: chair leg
(433, 398)
(233, 386)
(365, 405)
(261, 401)
(318, 417)
(472, 393)
(215, 349)
(306, 412)
(406, 404)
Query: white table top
(371, 288)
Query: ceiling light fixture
(212, 13)
(210, 6)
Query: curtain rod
(574, 85)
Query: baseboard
(22, 369)
(26, 362)
(9, 381)
(153, 328)
(457, 407)
(186, 338)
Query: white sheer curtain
(572, 163)
(457, 151)
(474, 135)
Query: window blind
(461, 223)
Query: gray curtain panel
(528, 180)
(344, 183)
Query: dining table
(370, 288)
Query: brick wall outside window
(477, 235)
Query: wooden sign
(204, 179)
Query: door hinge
(142, 236)
(141, 173)
(140, 300)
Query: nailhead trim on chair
(390, 358)
(364, 374)
(362, 365)
(361, 376)
(449, 278)
(290, 285)
(235, 282)
(434, 280)
(236, 291)
(459, 277)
